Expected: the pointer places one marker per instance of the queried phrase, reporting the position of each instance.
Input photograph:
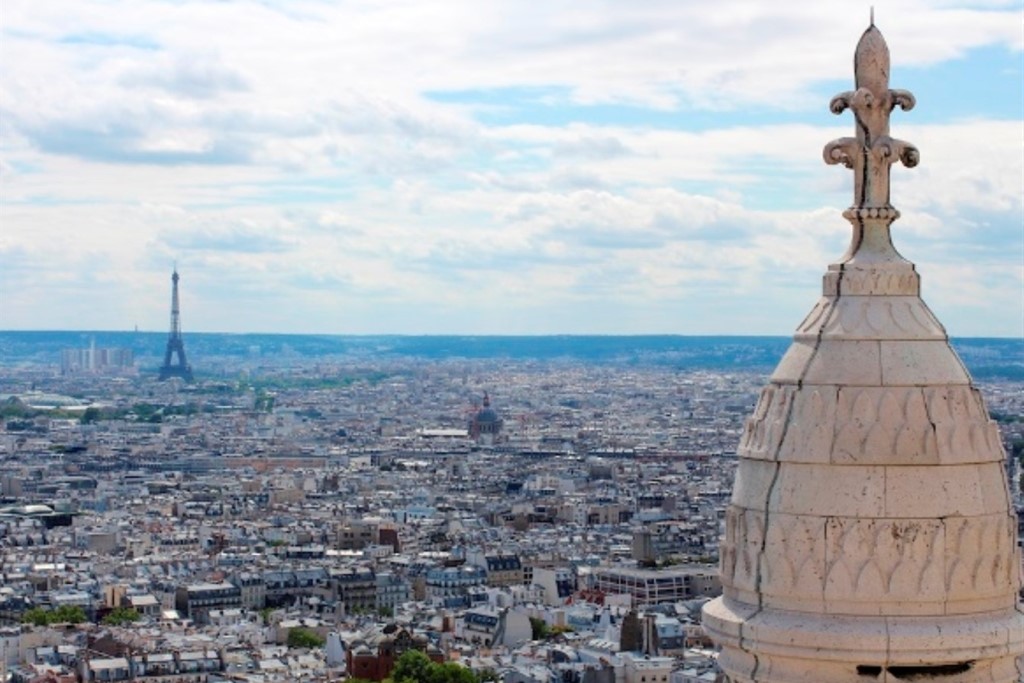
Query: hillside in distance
(986, 358)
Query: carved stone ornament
(870, 535)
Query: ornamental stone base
(779, 646)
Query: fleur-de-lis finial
(873, 151)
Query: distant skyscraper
(95, 359)
(175, 345)
(870, 536)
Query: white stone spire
(870, 536)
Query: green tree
(65, 614)
(450, 672)
(147, 412)
(303, 637)
(36, 616)
(68, 614)
(121, 615)
(413, 666)
(13, 407)
(19, 425)
(539, 629)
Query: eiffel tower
(175, 346)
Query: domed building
(485, 425)
(373, 655)
(871, 535)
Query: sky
(490, 166)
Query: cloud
(130, 143)
(192, 76)
(105, 40)
(240, 239)
(485, 166)
(607, 147)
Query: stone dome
(487, 415)
(485, 423)
(870, 535)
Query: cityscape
(532, 518)
(524, 406)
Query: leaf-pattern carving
(851, 433)
(872, 318)
(963, 432)
(919, 571)
(929, 320)
(849, 554)
(742, 547)
(912, 425)
(750, 550)
(753, 434)
(794, 554)
(915, 439)
(885, 559)
(881, 435)
(762, 433)
(727, 548)
(871, 282)
(877, 316)
(980, 555)
(898, 425)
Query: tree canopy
(303, 637)
(65, 614)
(121, 615)
(415, 667)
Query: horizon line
(461, 334)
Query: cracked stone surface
(871, 535)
